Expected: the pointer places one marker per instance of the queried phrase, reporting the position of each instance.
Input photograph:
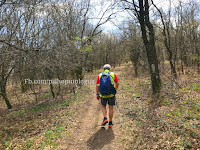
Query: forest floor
(73, 122)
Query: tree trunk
(172, 66)
(173, 69)
(59, 89)
(167, 40)
(182, 68)
(136, 70)
(24, 87)
(3, 82)
(198, 67)
(52, 92)
(135, 63)
(149, 46)
(153, 65)
(4, 95)
(6, 100)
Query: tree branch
(3, 41)
(2, 3)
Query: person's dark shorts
(109, 101)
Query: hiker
(106, 91)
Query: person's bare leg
(104, 111)
(111, 112)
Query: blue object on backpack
(106, 87)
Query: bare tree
(167, 37)
(140, 9)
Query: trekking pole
(118, 114)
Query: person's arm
(116, 82)
(117, 85)
(97, 92)
(97, 88)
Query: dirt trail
(87, 132)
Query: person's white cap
(106, 66)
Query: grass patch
(51, 136)
(44, 106)
(32, 120)
(67, 102)
(48, 105)
(172, 125)
(18, 113)
(196, 86)
(54, 134)
(43, 96)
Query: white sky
(110, 27)
(99, 6)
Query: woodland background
(158, 46)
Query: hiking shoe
(110, 124)
(105, 120)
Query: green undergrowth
(41, 125)
(53, 104)
(173, 124)
(196, 86)
(43, 96)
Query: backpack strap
(111, 74)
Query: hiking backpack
(106, 87)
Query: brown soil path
(87, 133)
